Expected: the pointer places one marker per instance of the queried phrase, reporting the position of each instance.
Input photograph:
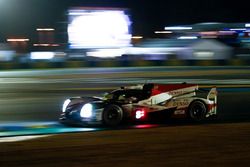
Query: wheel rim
(198, 111)
(113, 115)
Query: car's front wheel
(197, 111)
(112, 115)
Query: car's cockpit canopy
(132, 94)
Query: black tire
(197, 111)
(112, 115)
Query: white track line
(21, 138)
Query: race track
(38, 95)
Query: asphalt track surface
(35, 97)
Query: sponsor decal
(181, 103)
(179, 112)
(182, 91)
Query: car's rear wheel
(112, 115)
(197, 111)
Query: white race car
(141, 103)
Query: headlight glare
(65, 104)
(86, 111)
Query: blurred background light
(45, 29)
(18, 40)
(188, 37)
(163, 32)
(98, 28)
(247, 25)
(137, 37)
(204, 54)
(178, 28)
(106, 53)
(238, 29)
(41, 55)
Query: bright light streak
(247, 25)
(188, 37)
(178, 28)
(45, 44)
(45, 29)
(137, 37)
(163, 32)
(41, 55)
(238, 29)
(18, 40)
(106, 53)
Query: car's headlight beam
(86, 111)
(65, 104)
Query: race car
(141, 103)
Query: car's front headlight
(86, 111)
(65, 104)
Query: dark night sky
(21, 17)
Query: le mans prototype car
(141, 103)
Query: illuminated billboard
(98, 28)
